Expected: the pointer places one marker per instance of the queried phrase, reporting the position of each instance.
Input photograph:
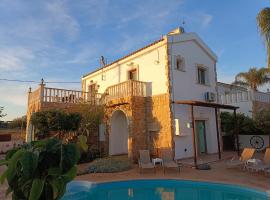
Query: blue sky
(61, 40)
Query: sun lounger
(267, 172)
(245, 156)
(261, 166)
(168, 161)
(144, 160)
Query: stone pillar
(28, 134)
(42, 86)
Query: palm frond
(263, 19)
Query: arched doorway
(118, 139)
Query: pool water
(160, 190)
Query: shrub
(262, 120)
(40, 170)
(244, 124)
(110, 164)
(55, 120)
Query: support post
(236, 132)
(193, 136)
(218, 139)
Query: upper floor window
(202, 75)
(132, 74)
(179, 63)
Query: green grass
(110, 164)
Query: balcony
(55, 95)
(126, 89)
(244, 97)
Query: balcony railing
(235, 97)
(55, 95)
(244, 97)
(124, 89)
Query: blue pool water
(160, 190)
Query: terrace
(56, 95)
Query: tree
(1, 112)
(19, 122)
(253, 78)
(263, 20)
(92, 116)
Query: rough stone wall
(134, 109)
(139, 126)
(122, 104)
(258, 106)
(159, 123)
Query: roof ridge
(126, 56)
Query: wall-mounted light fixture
(189, 125)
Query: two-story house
(151, 93)
(163, 95)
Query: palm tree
(263, 19)
(253, 78)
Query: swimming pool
(160, 190)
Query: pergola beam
(216, 106)
(193, 136)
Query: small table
(253, 161)
(156, 161)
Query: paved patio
(218, 173)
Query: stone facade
(149, 123)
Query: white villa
(164, 95)
(247, 100)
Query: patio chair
(167, 160)
(145, 161)
(245, 156)
(261, 166)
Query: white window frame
(206, 75)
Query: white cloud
(13, 59)
(61, 20)
(206, 20)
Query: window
(179, 63)
(201, 75)
(132, 74)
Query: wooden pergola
(216, 106)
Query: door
(201, 136)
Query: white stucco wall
(245, 105)
(186, 87)
(244, 141)
(150, 63)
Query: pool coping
(198, 180)
(90, 184)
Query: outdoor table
(156, 161)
